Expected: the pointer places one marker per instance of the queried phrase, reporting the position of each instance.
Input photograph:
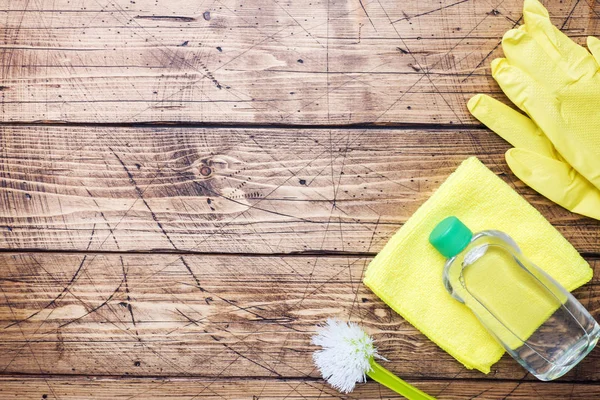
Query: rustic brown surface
(289, 389)
(208, 316)
(266, 61)
(235, 190)
(191, 257)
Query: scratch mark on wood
(251, 360)
(28, 343)
(299, 24)
(58, 297)
(570, 15)
(127, 293)
(429, 12)
(91, 237)
(166, 18)
(93, 310)
(516, 387)
(490, 52)
(479, 394)
(187, 317)
(112, 233)
(198, 285)
(367, 14)
(140, 194)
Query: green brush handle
(391, 381)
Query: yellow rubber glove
(556, 83)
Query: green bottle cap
(450, 237)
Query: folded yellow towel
(407, 273)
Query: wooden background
(188, 187)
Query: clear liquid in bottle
(537, 321)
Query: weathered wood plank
(266, 61)
(234, 190)
(208, 316)
(290, 389)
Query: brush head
(346, 354)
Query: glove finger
(511, 125)
(547, 112)
(526, 93)
(525, 53)
(556, 180)
(593, 44)
(571, 57)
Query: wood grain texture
(266, 61)
(234, 190)
(209, 316)
(192, 257)
(289, 389)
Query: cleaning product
(488, 273)
(406, 274)
(348, 356)
(556, 83)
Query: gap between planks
(209, 125)
(294, 254)
(274, 378)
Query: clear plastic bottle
(539, 323)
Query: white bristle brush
(348, 356)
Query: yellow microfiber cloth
(407, 273)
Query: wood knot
(205, 171)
